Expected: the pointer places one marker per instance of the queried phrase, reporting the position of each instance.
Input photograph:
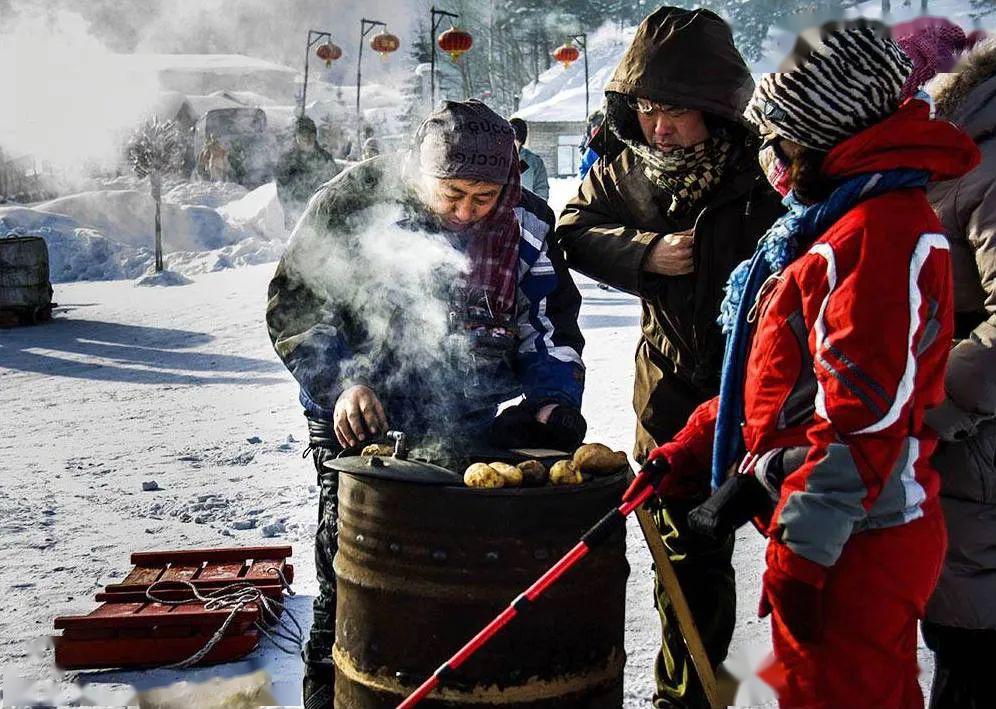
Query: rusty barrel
(25, 290)
(421, 569)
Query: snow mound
(94, 250)
(75, 253)
(205, 194)
(249, 252)
(165, 278)
(259, 211)
(126, 216)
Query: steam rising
(397, 283)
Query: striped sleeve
(548, 360)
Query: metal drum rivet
(360, 538)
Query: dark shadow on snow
(600, 322)
(160, 351)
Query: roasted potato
(564, 472)
(533, 472)
(599, 459)
(483, 475)
(383, 450)
(512, 475)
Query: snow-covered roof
(215, 63)
(203, 104)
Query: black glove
(517, 427)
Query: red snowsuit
(848, 350)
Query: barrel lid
(390, 468)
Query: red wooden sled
(128, 630)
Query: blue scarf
(777, 248)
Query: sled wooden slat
(221, 571)
(218, 555)
(154, 615)
(177, 592)
(145, 575)
(75, 654)
(184, 572)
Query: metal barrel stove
(421, 569)
(25, 290)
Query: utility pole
(436, 17)
(366, 26)
(581, 40)
(314, 36)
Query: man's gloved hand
(797, 603)
(521, 426)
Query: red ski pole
(638, 492)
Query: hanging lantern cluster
(566, 54)
(455, 42)
(328, 53)
(384, 43)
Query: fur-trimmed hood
(968, 96)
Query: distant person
(371, 148)
(588, 147)
(302, 170)
(534, 176)
(212, 162)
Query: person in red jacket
(837, 337)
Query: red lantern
(566, 54)
(455, 42)
(384, 43)
(328, 52)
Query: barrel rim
(22, 237)
(520, 491)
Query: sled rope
(237, 596)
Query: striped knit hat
(835, 84)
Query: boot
(319, 685)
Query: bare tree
(155, 150)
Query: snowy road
(137, 384)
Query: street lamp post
(581, 40)
(366, 27)
(314, 36)
(436, 17)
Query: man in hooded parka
(676, 200)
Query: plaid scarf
(493, 248)
(686, 174)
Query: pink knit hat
(933, 43)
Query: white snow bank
(260, 211)
(108, 234)
(205, 194)
(164, 278)
(127, 216)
